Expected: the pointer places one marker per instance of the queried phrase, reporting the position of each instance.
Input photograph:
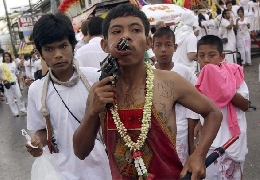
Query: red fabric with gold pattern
(159, 154)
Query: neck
(132, 77)
(91, 37)
(64, 76)
(164, 66)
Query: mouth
(123, 48)
(59, 63)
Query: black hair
(1, 51)
(84, 27)
(27, 56)
(212, 41)
(224, 12)
(234, 2)
(125, 10)
(229, 2)
(200, 18)
(9, 54)
(254, 1)
(153, 29)
(240, 9)
(16, 55)
(95, 26)
(221, 3)
(164, 31)
(51, 28)
(218, 11)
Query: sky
(13, 3)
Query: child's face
(58, 55)
(132, 29)
(208, 54)
(163, 48)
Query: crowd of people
(149, 130)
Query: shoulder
(91, 73)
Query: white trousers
(224, 168)
(182, 145)
(11, 94)
(244, 47)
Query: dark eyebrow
(120, 26)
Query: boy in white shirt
(224, 84)
(163, 48)
(56, 103)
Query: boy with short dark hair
(163, 48)
(140, 128)
(56, 102)
(224, 84)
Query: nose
(126, 35)
(57, 54)
(163, 48)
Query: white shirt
(237, 150)
(181, 120)
(37, 65)
(251, 5)
(242, 27)
(244, 4)
(13, 68)
(29, 71)
(91, 54)
(227, 33)
(187, 46)
(95, 166)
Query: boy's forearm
(240, 102)
(209, 131)
(84, 137)
(42, 135)
(191, 125)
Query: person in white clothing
(163, 48)
(251, 15)
(29, 66)
(210, 58)
(244, 4)
(57, 102)
(11, 90)
(91, 54)
(186, 41)
(227, 31)
(85, 39)
(243, 37)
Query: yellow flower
(7, 75)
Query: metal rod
(9, 27)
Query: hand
(28, 81)
(100, 94)
(195, 165)
(238, 19)
(197, 130)
(36, 141)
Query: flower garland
(7, 75)
(136, 146)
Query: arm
(192, 55)
(240, 102)
(84, 137)
(230, 26)
(191, 125)
(38, 140)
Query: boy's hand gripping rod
(215, 155)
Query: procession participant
(163, 48)
(11, 87)
(224, 84)
(91, 54)
(187, 42)
(243, 37)
(56, 103)
(226, 25)
(85, 39)
(140, 129)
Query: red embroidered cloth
(159, 154)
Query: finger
(184, 171)
(105, 81)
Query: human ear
(104, 45)
(148, 42)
